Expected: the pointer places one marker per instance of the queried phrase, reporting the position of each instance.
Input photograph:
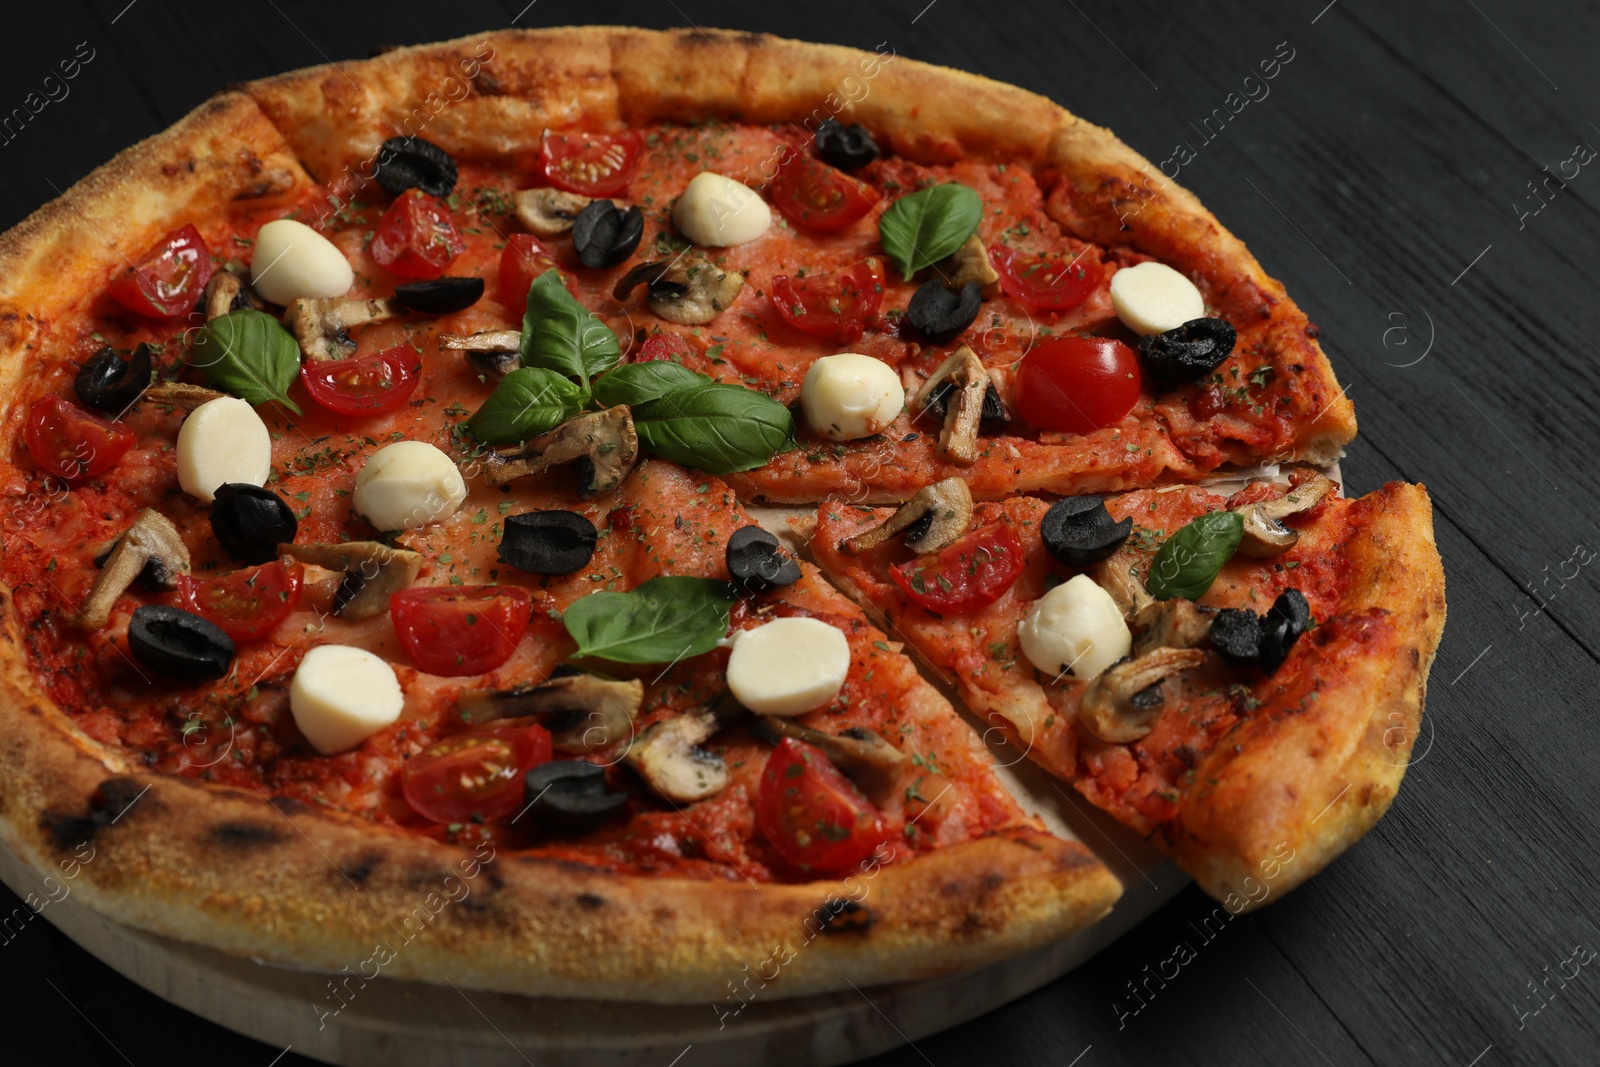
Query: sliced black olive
(846, 147)
(1281, 627)
(179, 644)
(1292, 605)
(1078, 531)
(604, 235)
(1236, 635)
(440, 296)
(757, 562)
(938, 313)
(570, 796)
(412, 163)
(251, 522)
(110, 380)
(1188, 352)
(548, 542)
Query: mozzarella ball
(408, 484)
(222, 440)
(342, 695)
(788, 666)
(291, 260)
(1075, 628)
(715, 212)
(850, 395)
(1154, 298)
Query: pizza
(394, 574)
(1234, 705)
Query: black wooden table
(1419, 175)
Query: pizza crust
(306, 888)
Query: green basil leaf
(562, 335)
(248, 353)
(528, 402)
(662, 621)
(716, 427)
(640, 383)
(1189, 561)
(921, 229)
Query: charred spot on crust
(363, 867)
(590, 900)
(272, 183)
(108, 803)
(245, 835)
(65, 829)
(487, 84)
(846, 917)
(289, 805)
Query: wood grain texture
(1386, 156)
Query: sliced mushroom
(970, 263)
(932, 519)
(1175, 623)
(867, 759)
(669, 757)
(496, 353)
(320, 588)
(180, 394)
(1124, 702)
(1264, 531)
(548, 212)
(150, 547)
(962, 387)
(1117, 574)
(605, 441)
(323, 326)
(587, 713)
(689, 292)
(229, 291)
(372, 573)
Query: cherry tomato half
(811, 193)
(363, 385)
(171, 277)
(593, 164)
(835, 305)
(478, 773)
(523, 260)
(416, 238)
(247, 604)
(455, 631)
(72, 443)
(1046, 283)
(970, 574)
(1077, 384)
(811, 814)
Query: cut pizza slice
(1240, 678)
